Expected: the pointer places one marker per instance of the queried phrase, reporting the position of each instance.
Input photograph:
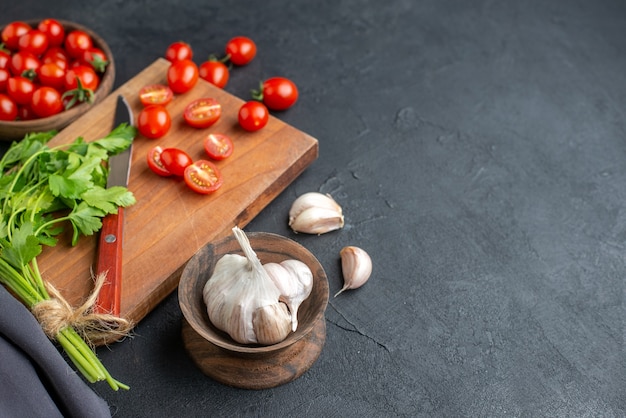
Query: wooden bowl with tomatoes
(39, 71)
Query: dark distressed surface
(478, 151)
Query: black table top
(478, 150)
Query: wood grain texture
(169, 222)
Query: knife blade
(111, 240)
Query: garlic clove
(315, 213)
(271, 323)
(294, 280)
(356, 266)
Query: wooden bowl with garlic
(265, 351)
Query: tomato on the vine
(203, 177)
(12, 32)
(20, 89)
(182, 76)
(34, 41)
(277, 93)
(253, 115)
(8, 108)
(215, 72)
(50, 74)
(155, 94)
(23, 61)
(175, 161)
(178, 51)
(240, 50)
(154, 121)
(155, 163)
(46, 101)
(76, 42)
(202, 113)
(218, 146)
(54, 30)
(88, 78)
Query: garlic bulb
(294, 279)
(315, 213)
(242, 299)
(356, 266)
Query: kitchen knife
(111, 235)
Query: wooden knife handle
(110, 261)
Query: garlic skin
(315, 213)
(242, 300)
(356, 266)
(294, 280)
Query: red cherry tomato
(52, 75)
(87, 76)
(182, 76)
(54, 30)
(218, 146)
(46, 101)
(56, 55)
(154, 121)
(34, 41)
(215, 72)
(155, 94)
(202, 113)
(23, 61)
(203, 177)
(278, 93)
(12, 32)
(155, 163)
(8, 108)
(20, 89)
(178, 51)
(253, 116)
(96, 58)
(4, 78)
(175, 161)
(25, 112)
(5, 59)
(76, 42)
(240, 50)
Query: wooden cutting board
(170, 222)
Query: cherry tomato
(4, 78)
(155, 163)
(20, 89)
(154, 121)
(34, 41)
(46, 101)
(202, 113)
(218, 146)
(56, 55)
(155, 94)
(94, 57)
(52, 75)
(178, 51)
(12, 33)
(203, 177)
(76, 42)
(8, 108)
(175, 161)
(240, 50)
(25, 112)
(278, 93)
(87, 76)
(253, 116)
(182, 76)
(5, 59)
(54, 30)
(215, 72)
(23, 61)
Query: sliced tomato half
(203, 177)
(155, 94)
(202, 113)
(218, 146)
(155, 163)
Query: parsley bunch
(41, 189)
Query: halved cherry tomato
(20, 89)
(175, 160)
(34, 41)
(155, 94)
(202, 113)
(155, 163)
(178, 51)
(215, 72)
(8, 108)
(12, 32)
(46, 101)
(182, 76)
(253, 116)
(76, 42)
(203, 177)
(240, 50)
(218, 146)
(52, 75)
(277, 93)
(23, 61)
(54, 30)
(154, 121)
